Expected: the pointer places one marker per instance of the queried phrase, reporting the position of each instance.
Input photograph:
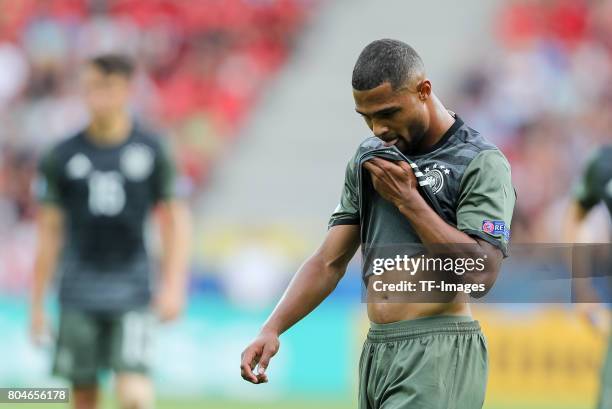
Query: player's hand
(169, 303)
(39, 331)
(259, 354)
(394, 181)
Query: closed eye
(387, 113)
(382, 114)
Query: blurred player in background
(594, 187)
(417, 355)
(96, 190)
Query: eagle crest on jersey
(78, 167)
(136, 161)
(435, 177)
(464, 177)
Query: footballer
(96, 190)
(417, 354)
(594, 187)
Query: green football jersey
(465, 178)
(106, 194)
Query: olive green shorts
(428, 363)
(90, 342)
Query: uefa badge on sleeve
(488, 227)
(495, 227)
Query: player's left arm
(486, 194)
(173, 218)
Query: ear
(424, 90)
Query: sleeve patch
(495, 227)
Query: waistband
(439, 324)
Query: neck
(440, 122)
(110, 130)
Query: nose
(379, 129)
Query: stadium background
(254, 96)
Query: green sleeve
(486, 199)
(586, 192)
(46, 184)
(164, 176)
(347, 211)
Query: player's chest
(442, 177)
(439, 176)
(106, 180)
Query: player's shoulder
(145, 139)
(371, 142)
(147, 136)
(473, 140)
(471, 144)
(62, 149)
(368, 144)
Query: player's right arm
(49, 223)
(313, 282)
(585, 196)
(49, 235)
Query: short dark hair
(113, 64)
(385, 60)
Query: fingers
(161, 311)
(374, 169)
(168, 316)
(171, 312)
(36, 336)
(376, 163)
(380, 166)
(40, 333)
(168, 307)
(268, 352)
(400, 171)
(258, 354)
(370, 166)
(383, 164)
(398, 168)
(37, 325)
(382, 170)
(405, 166)
(375, 172)
(247, 364)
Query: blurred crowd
(201, 67)
(545, 96)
